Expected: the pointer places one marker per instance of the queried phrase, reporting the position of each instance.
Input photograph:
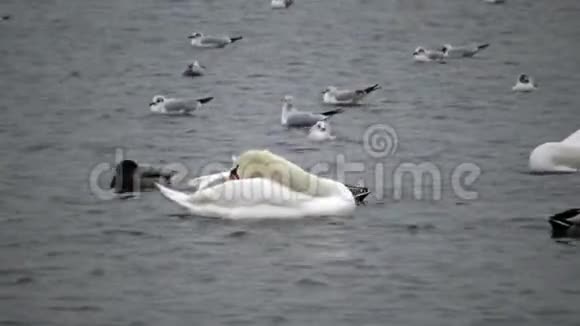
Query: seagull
(281, 4)
(194, 70)
(294, 118)
(201, 41)
(494, 1)
(333, 95)
(160, 104)
(464, 51)
(320, 132)
(566, 224)
(130, 177)
(524, 83)
(422, 55)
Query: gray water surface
(76, 78)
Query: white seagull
(201, 41)
(291, 117)
(524, 83)
(333, 95)
(422, 55)
(194, 70)
(160, 104)
(320, 132)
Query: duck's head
(124, 176)
(445, 48)
(288, 99)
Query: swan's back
(264, 164)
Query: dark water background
(76, 77)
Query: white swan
(557, 157)
(265, 185)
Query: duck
(130, 177)
(557, 157)
(265, 185)
(524, 83)
(566, 224)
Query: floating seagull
(524, 83)
(464, 51)
(566, 224)
(320, 132)
(422, 55)
(281, 4)
(130, 177)
(294, 118)
(161, 104)
(194, 70)
(199, 40)
(557, 157)
(333, 95)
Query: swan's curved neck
(264, 164)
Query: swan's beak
(234, 173)
(152, 103)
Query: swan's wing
(208, 180)
(244, 198)
(181, 198)
(573, 139)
